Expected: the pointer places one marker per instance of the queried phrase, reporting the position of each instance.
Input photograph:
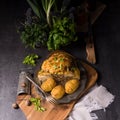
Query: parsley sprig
(37, 104)
(30, 59)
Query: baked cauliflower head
(60, 68)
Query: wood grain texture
(90, 49)
(53, 112)
(94, 16)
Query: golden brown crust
(61, 64)
(59, 74)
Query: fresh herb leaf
(37, 104)
(55, 58)
(30, 59)
(55, 66)
(34, 33)
(61, 66)
(62, 33)
(61, 59)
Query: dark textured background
(12, 51)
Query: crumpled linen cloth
(97, 98)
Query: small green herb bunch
(33, 34)
(37, 104)
(62, 33)
(30, 59)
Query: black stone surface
(12, 52)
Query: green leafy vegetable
(37, 104)
(37, 9)
(47, 5)
(62, 33)
(33, 34)
(55, 30)
(30, 59)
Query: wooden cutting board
(54, 112)
(83, 27)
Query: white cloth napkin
(97, 98)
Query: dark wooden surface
(12, 51)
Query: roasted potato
(71, 86)
(58, 92)
(48, 84)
